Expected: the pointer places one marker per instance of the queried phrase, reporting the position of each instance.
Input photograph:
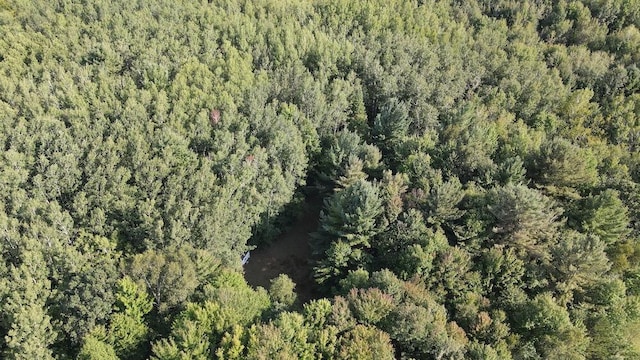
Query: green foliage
(287, 337)
(365, 343)
(169, 277)
(482, 351)
(128, 331)
(549, 324)
(351, 214)
(392, 189)
(524, 220)
(96, 348)
(86, 292)
(231, 346)
(408, 247)
(131, 300)
(143, 145)
(452, 276)
(370, 306)
(267, 342)
(390, 127)
(502, 274)
(345, 158)
(238, 302)
(352, 173)
(348, 223)
(483, 325)
(421, 331)
(441, 204)
(191, 333)
(282, 292)
(562, 164)
(578, 261)
(26, 290)
(603, 215)
(468, 142)
(128, 336)
(614, 331)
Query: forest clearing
(289, 254)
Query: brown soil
(288, 254)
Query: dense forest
(478, 161)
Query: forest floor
(288, 254)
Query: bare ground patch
(288, 254)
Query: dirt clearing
(288, 254)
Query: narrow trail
(288, 254)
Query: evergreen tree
(95, 347)
(547, 328)
(85, 294)
(578, 261)
(524, 220)
(25, 314)
(128, 329)
(348, 223)
(390, 127)
(603, 215)
(344, 158)
(365, 343)
(563, 165)
(282, 293)
(352, 173)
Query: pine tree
(348, 223)
(392, 188)
(352, 214)
(353, 173)
(96, 346)
(603, 215)
(524, 219)
(25, 315)
(578, 260)
(128, 330)
(564, 167)
(390, 128)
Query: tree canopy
(478, 163)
